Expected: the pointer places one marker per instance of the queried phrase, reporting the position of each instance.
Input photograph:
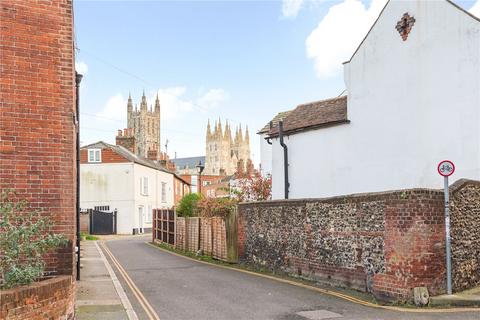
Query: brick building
(37, 122)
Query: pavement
(465, 298)
(97, 290)
(162, 285)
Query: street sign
(446, 168)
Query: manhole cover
(319, 314)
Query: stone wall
(465, 233)
(49, 299)
(383, 243)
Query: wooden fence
(164, 225)
(215, 237)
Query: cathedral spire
(129, 103)
(157, 105)
(220, 131)
(209, 132)
(247, 136)
(143, 104)
(240, 134)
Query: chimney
(152, 154)
(125, 140)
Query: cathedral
(225, 153)
(142, 135)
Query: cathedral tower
(144, 125)
(224, 153)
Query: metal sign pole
(447, 237)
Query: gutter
(285, 158)
(78, 79)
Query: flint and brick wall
(383, 243)
(37, 109)
(465, 234)
(49, 299)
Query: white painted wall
(154, 198)
(118, 186)
(265, 156)
(411, 104)
(109, 184)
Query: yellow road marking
(138, 294)
(325, 291)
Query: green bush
(24, 238)
(187, 205)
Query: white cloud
(339, 33)
(475, 10)
(290, 8)
(175, 101)
(114, 109)
(81, 67)
(212, 98)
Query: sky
(238, 61)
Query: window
(94, 155)
(164, 192)
(148, 217)
(101, 208)
(144, 186)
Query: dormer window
(94, 155)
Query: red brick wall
(108, 156)
(37, 108)
(48, 299)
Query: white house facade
(413, 100)
(121, 181)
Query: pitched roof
(314, 115)
(383, 9)
(278, 117)
(130, 156)
(191, 162)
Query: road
(182, 289)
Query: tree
(187, 205)
(253, 187)
(24, 239)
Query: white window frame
(92, 155)
(144, 186)
(164, 192)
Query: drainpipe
(269, 141)
(78, 79)
(285, 158)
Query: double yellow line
(152, 315)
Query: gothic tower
(145, 126)
(224, 153)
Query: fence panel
(192, 234)
(206, 237)
(164, 226)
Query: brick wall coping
(40, 290)
(459, 184)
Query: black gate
(102, 222)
